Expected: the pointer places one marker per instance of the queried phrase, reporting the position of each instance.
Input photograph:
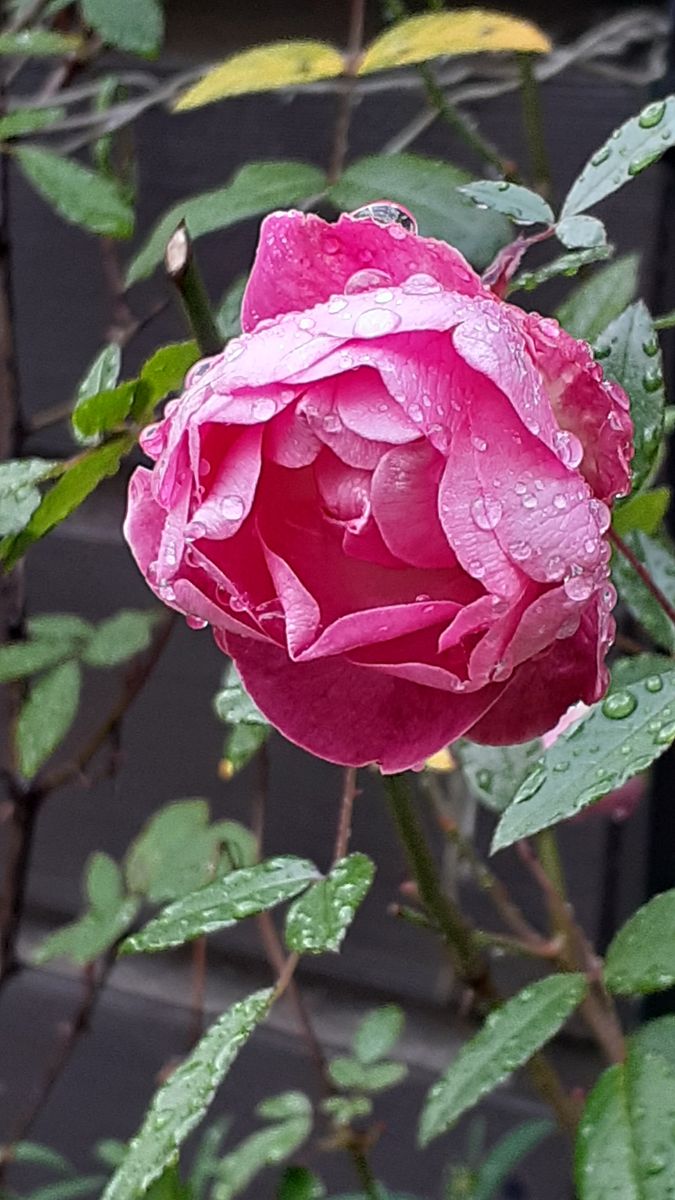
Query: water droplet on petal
(195, 622)
(486, 512)
(366, 281)
(479, 444)
(578, 587)
(336, 304)
(421, 284)
(559, 501)
(263, 409)
(375, 322)
(568, 448)
(232, 507)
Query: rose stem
(182, 269)
(534, 125)
(357, 15)
(644, 575)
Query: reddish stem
(639, 568)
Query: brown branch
(346, 97)
(344, 829)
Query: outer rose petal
(144, 521)
(302, 260)
(351, 715)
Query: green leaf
(658, 558)
(241, 745)
(163, 374)
(580, 233)
(267, 1147)
(37, 43)
(428, 188)
(519, 203)
(621, 736)
(19, 497)
(598, 300)
(625, 1145)
(319, 920)
(493, 774)
(507, 1154)
(353, 1076)
(102, 413)
(228, 317)
(108, 915)
(567, 264)
(378, 1033)
(175, 853)
(637, 666)
(239, 844)
(255, 189)
(221, 904)
(59, 626)
(77, 482)
(641, 958)
(21, 659)
(509, 1038)
(207, 1157)
(644, 511)
(110, 1151)
(77, 194)
(28, 120)
(637, 144)
(233, 703)
(46, 716)
(181, 1102)
(297, 1183)
(135, 25)
(656, 1037)
(40, 1156)
(630, 353)
(264, 69)
(68, 1189)
(169, 1186)
(121, 637)
(101, 376)
(345, 1109)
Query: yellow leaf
(263, 69)
(441, 761)
(470, 32)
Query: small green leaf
(239, 844)
(429, 188)
(625, 1146)
(267, 1147)
(297, 1183)
(581, 233)
(163, 374)
(101, 376)
(257, 188)
(175, 853)
(77, 194)
(121, 637)
(656, 1037)
(169, 1186)
(345, 1109)
(28, 120)
(65, 627)
(102, 413)
(181, 1102)
(509, 1038)
(620, 737)
(228, 318)
(46, 716)
(233, 703)
(68, 1189)
(353, 1076)
(221, 904)
(658, 558)
(506, 1155)
(37, 43)
(207, 1157)
(567, 264)
(598, 300)
(378, 1033)
(108, 915)
(644, 511)
(21, 659)
(494, 773)
(637, 144)
(19, 497)
(135, 25)
(40, 1156)
(641, 958)
(76, 483)
(241, 745)
(519, 203)
(319, 920)
(629, 353)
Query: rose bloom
(389, 498)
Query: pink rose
(618, 805)
(388, 498)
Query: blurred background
(171, 742)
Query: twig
(346, 97)
(344, 828)
(184, 273)
(464, 127)
(644, 575)
(199, 960)
(534, 125)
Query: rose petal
(232, 490)
(404, 497)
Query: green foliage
(630, 354)
(621, 736)
(177, 851)
(102, 413)
(493, 774)
(601, 299)
(227, 313)
(169, 1186)
(180, 1103)
(36, 43)
(108, 915)
(519, 203)
(657, 556)
(28, 120)
(77, 194)
(493, 1173)
(428, 188)
(222, 903)
(135, 25)
(632, 148)
(120, 637)
(509, 1038)
(46, 716)
(101, 376)
(163, 373)
(291, 1117)
(567, 264)
(641, 958)
(625, 1145)
(353, 1076)
(378, 1033)
(255, 189)
(581, 233)
(19, 495)
(21, 659)
(342, 1110)
(644, 511)
(319, 920)
(298, 1183)
(249, 730)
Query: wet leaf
(135, 25)
(658, 558)
(519, 203)
(108, 915)
(644, 511)
(266, 1147)
(176, 852)
(103, 413)
(46, 716)
(567, 264)
(629, 352)
(494, 773)
(121, 637)
(641, 957)
(79, 195)
(378, 1033)
(580, 233)
(101, 376)
(19, 495)
(319, 920)
(598, 300)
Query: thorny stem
(182, 269)
(644, 575)
(534, 125)
(346, 99)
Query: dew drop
(479, 444)
(653, 379)
(666, 734)
(263, 409)
(336, 304)
(531, 785)
(619, 705)
(654, 683)
(195, 622)
(375, 322)
(520, 551)
(486, 512)
(529, 502)
(578, 587)
(640, 163)
(366, 281)
(421, 285)
(415, 413)
(601, 156)
(651, 347)
(652, 115)
(559, 501)
(232, 508)
(568, 448)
